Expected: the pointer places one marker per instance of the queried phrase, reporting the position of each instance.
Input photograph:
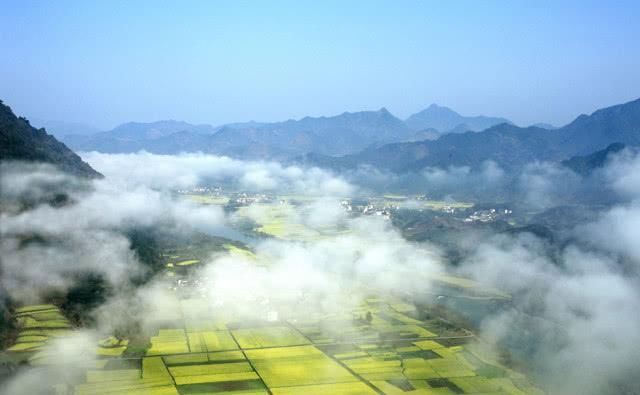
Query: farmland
(278, 220)
(393, 352)
(38, 326)
(377, 343)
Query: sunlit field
(381, 345)
(391, 353)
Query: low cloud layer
(189, 170)
(47, 244)
(85, 233)
(537, 185)
(573, 319)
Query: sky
(105, 63)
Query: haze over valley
(486, 244)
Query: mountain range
(507, 145)
(348, 140)
(21, 141)
(342, 134)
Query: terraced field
(38, 326)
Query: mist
(192, 169)
(573, 318)
(571, 321)
(87, 234)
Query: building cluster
(372, 210)
(487, 215)
(215, 191)
(186, 286)
(366, 209)
(449, 210)
(246, 199)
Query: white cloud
(189, 170)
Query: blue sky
(108, 62)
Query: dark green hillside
(585, 165)
(21, 141)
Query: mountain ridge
(587, 164)
(22, 142)
(337, 135)
(508, 145)
(353, 137)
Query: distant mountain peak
(446, 120)
(544, 125)
(511, 147)
(156, 129)
(436, 106)
(351, 132)
(340, 134)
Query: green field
(297, 366)
(276, 336)
(37, 325)
(187, 262)
(281, 220)
(211, 341)
(209, 199)
(240, 252)
(340, 353)
(376, 344)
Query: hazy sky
(107, 62)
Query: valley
(371, 342)
(310, 198)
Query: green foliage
(88, 292)
(144, 242)
(7, 323)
